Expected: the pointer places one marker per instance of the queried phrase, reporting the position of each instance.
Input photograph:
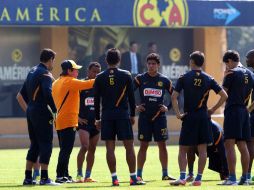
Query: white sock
(113, 174)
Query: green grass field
(12, 163)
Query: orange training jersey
(65, 91)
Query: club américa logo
(154, 13)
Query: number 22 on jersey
(197, 82)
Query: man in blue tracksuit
(40, 112)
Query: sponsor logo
(152, 92)
(171, 13)
(228, 14)
(160, 84)
(89, 101)
(152, 99)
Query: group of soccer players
(109, 108)
(236, 90)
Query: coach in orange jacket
(65, 93)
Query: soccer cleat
(178, 182)
(140, 181)
(79, 179)
(115, 182)
(48, 182)
(137, 182)
(189, 178)
(70, 180)
(89, 180)
(166, 177)
(61, 180)
(196, 183)
(28, 182)
(243, 181)
(250, 181)
(229, 182)
(139, 178)
(36, 180)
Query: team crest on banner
(171, 13)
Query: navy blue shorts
(196, 129)
(237, 123)
(156, 129)
(121, 128)
(91, 129)
(40, 130)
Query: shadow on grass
(2, 185)
(211, 180)
(123, 184)
(94, 187)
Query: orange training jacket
(65, 91)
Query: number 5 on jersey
(246, 80)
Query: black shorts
(196, 129)
(40, 130)
(91, 129)
(237, 123)
(156, 129)
(121, 128)
(252, 125)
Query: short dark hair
(250, 54)
(231, 54)
(65, 72)
(94, 64)
(198, 58)
(46, 55)
(113, 56)
(69, 65)
(153, 56)
(133, 42)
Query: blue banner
(137, 13)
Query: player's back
(113, 85)
(196, 85)
(33, 85)
(239, 84)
